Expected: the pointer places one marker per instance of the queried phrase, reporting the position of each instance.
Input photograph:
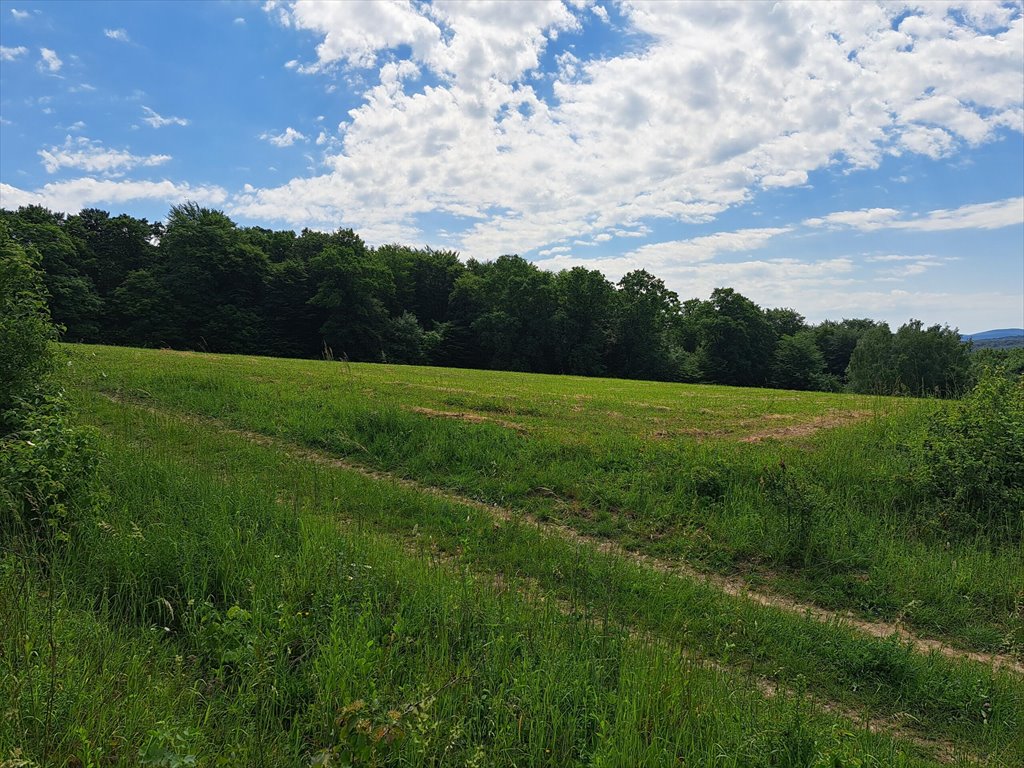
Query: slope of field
(236, 605)
(300, 563)
(808, 494)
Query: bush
(46, 463)
(46, 471)
(25, 330)
(972, 460)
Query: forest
(201, 282)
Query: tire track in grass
(899, 726)
(941, 750)
(729, 585)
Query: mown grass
(831, 515)
(228, 605)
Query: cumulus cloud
(159, 121)
(711, 105)
(75, 194)
(994, 215)
(121, 35)
(91, 156)
(19, 15)
(10, 54)
(284, 139)
(704, 248)
(49, 61)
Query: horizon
(845, 161)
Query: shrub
(972, 460)
(25, 329)
(804, 504)
(46, 463)
(46, 470)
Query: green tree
(870, 370)
(138, 313)
(291, 326)
(645, 343)
(112, 246)
(215, 280)
(74, 302)
(514, 327)
(736, 342)
(424, 279)
(466, 303)
(785, 321)
(582, 323)
(798, 363)
(931, 361)
(837, 340)
(915, 360)
(353, 287)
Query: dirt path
(528, 589)
(730, 585)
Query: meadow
(321, 563)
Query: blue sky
(846, 160)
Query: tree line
(200, 281)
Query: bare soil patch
(474, 418)
(828, 421)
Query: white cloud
(159, 121)
(49, 60)
(901, 266)
(19, 15)
(704, 248)
(709, 106)
(10, 54)
(73, 195)
(285, 139)
(554, 251)
(121, 35)
(994, 215)
(239, 21)
(91, 156)
(888, 257)
(865, 219)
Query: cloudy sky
(847, 160)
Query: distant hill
(999, 333)
(1000, 338)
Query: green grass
(231, 602)
(228, 605)
(659, 468)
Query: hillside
(999, 333)
(320, 563)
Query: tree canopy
(199, 281)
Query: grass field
(318, 563)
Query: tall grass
(212, 614)
(655, 467)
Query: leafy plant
(972, 460)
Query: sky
(846, 160)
